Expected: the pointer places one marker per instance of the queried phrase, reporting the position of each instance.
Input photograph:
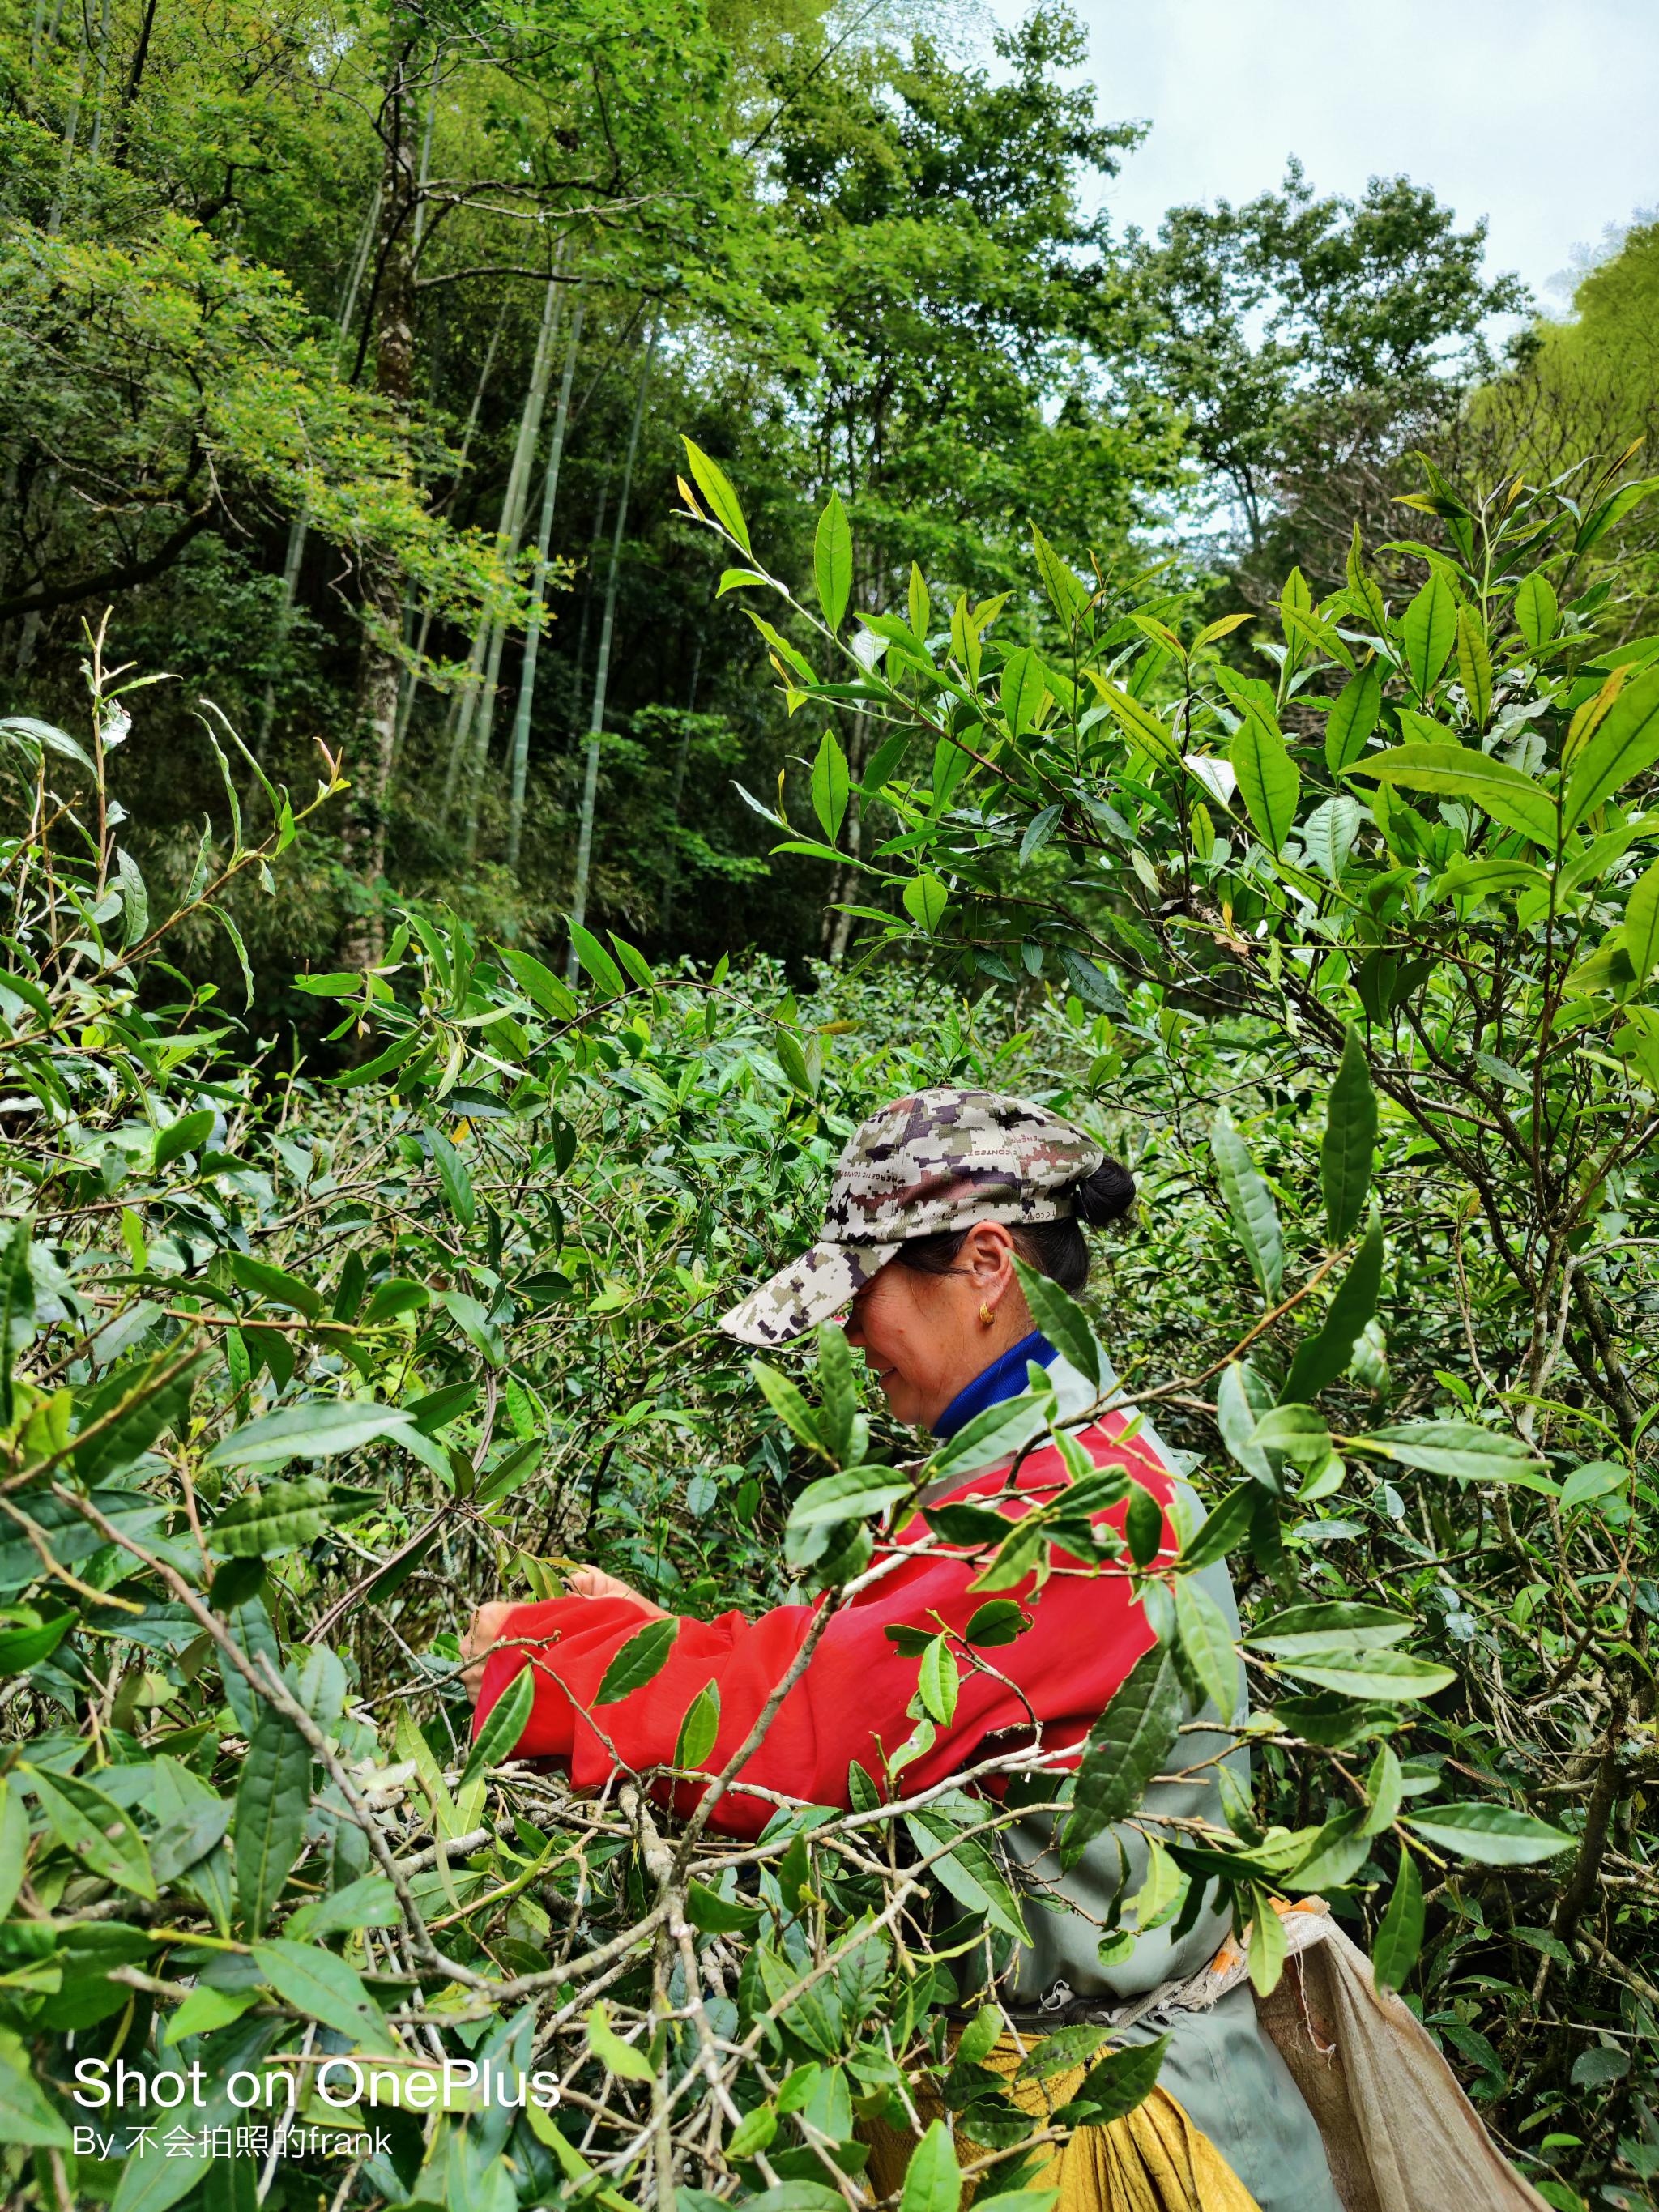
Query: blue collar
(1004, 1378)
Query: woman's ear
(989, 1253)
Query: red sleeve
(850, 1703)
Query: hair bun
(1105, 1195)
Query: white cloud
(1535, 113)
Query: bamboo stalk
(533, 628)
(602, 666)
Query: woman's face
(924, 1337)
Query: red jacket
(851, 1700)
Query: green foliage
(1422, 894)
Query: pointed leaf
(1427, 629)
(1268, 780)
(1250, 1203)
(1400, 1938)
(639, 1660)
(832, 563)
(1125, 1747)
(1349, 1143)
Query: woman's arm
(851, 1702)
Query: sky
(1542, 115)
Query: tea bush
(299, 1368)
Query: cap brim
(812, 1289)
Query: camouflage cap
(942, 1159)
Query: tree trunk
(412, 679)
(602, 666)
(533, 630)
(379, 667)
(469, 739)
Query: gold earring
(987, 1318)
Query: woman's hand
(479, 1641)
(484, 1632)
(593, 1582)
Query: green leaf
(1223, 1529)
(1494, 1835)
(1612, 510)
(93, 1830)
(1427, 630)
(712, 483)
(701, 1727)
(1207, 1641)
(1335, 1855)
(1385, 1787)
(273, 1796)
(1120, 2081)
(1250, 1203)
(1625, 744)
(25, 2115)
(147, 1412)
(832, 563)
(1125, 1747)
(932, 2178)
(1400, 1937)
(1324, 1355)
(278, 1518)
(399, 1294)
(1330, 1623)
(1599, 1478)
(1455, 771)
(838, 1389)
(498, 1739)
(940, 1681)
(1265, 1946)
(1349, 1143)
(832, 785)
(1061, 1320)
(1353, 717)
(1241, 1400)
(918, 606)
(596, 962)
(786, 1402)
(1267, 778)
(315, 1429)
(1642, 923)
(1066, 591)
(925, 901)
(452, 1178)
(14, 1847)
(275, 1285)
(617, 2057)
(1536, 610)
(323, 1988)
(16, 1311)
(852, 1494)
(1473, 666)
(1386, 1674)
(999, 1620)
(639, 1660)
(1023, 685)
(548, 990)
(187, 1134)
(1458, 1449)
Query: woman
(933, 1197)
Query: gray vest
(1219, 2064)
(1064, 1933)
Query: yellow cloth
(1153, 2159)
